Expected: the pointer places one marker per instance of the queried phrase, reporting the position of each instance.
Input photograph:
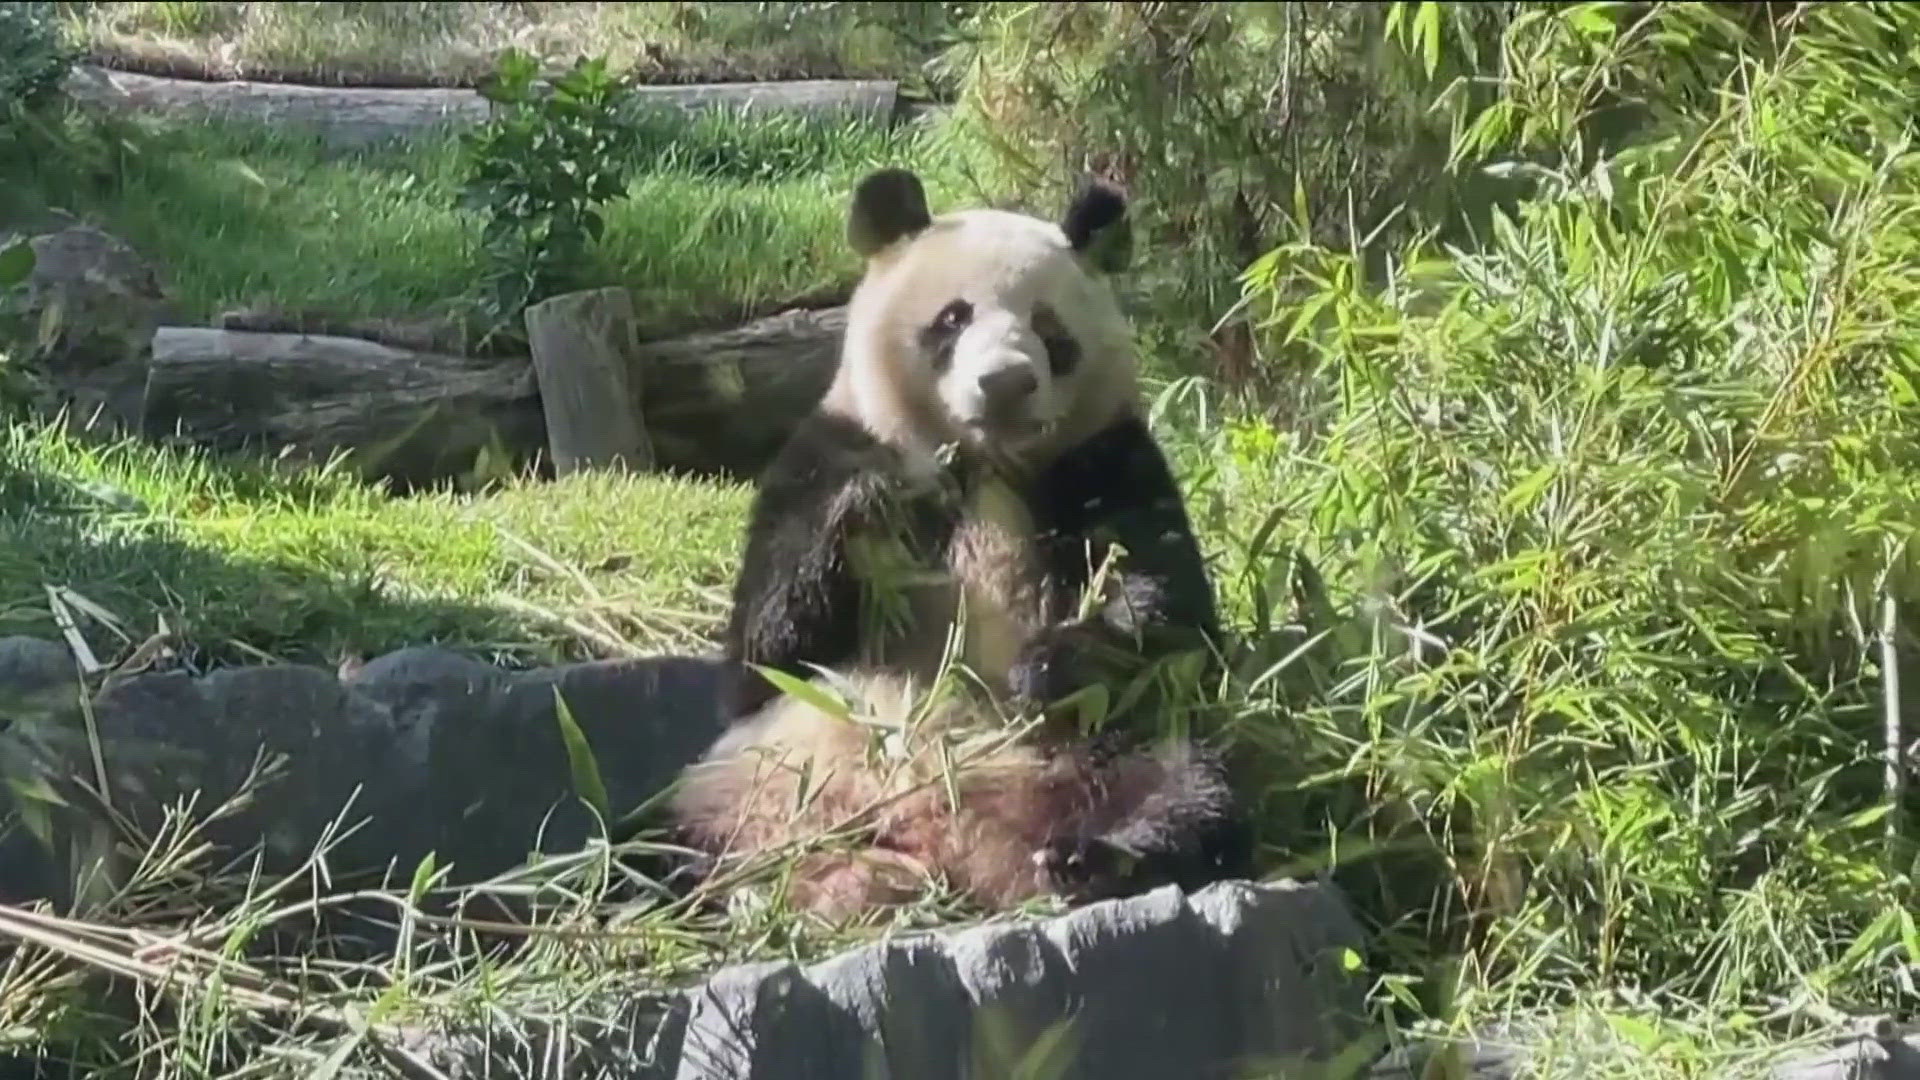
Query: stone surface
(1223, 983)
(1877, 1051)
(37, 678)
(440, 752)
(93, 298)
(447, 754)
(86, 316)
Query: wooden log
(716, 402)
(723, 401)
(582, 345)
(352, 117)
(413, 417)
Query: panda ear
(887, 205)
(1096, 225)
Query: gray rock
(435, 752)
(37, 678)
(1146, 987)
(1877, 1051)
(86, 319)
(105, 297)
(442, 753)
(39, 691)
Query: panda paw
(1055, 664)
(919, 476)
(1081, 869)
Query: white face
(989, 322)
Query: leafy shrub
(540, 170)
(1611, 515)
(34, 60)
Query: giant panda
(976, 460)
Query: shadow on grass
(105, 545)
(455, 750)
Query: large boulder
(1235, 980)
(442, 753)
(438, 752)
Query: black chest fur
(838, 511)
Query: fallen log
(723, 401)
(351, 117)
(413, 417)
(716, 402)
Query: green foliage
(745, 147)
(1607, 513)
(582, 766)
(34, 60)
(250, 559)
(1234, 126)
(540, 170)
(240, 216)
(16, 266)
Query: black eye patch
(1063, 352)
(938, 336)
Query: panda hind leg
(841, 887)
(1167, 816)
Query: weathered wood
(582, 345)
(716, 402)
(723, 401)
(413, 417)
(349, 117)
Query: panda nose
(1009, 385)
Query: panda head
(987, 328)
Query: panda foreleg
(840, 886)
(798, 598)
(1154, 601)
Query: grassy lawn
(252, 563)
(725, 216)
(426, 43)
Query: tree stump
(582, 344)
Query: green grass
(455, 43)
(249, 562)
(726, 216)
